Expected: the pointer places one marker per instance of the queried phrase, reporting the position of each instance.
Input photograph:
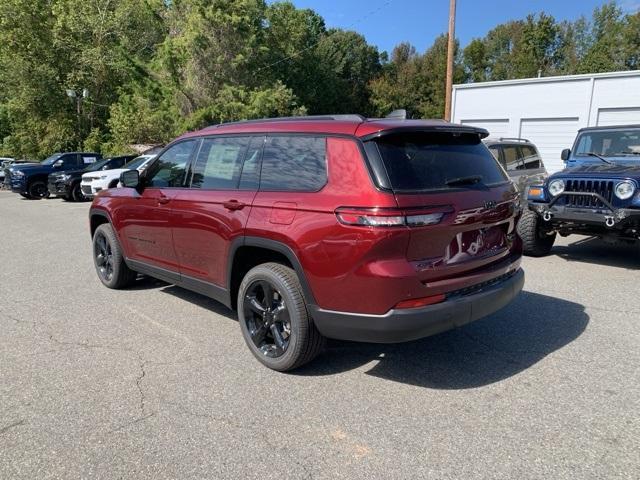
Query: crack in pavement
(11, 425)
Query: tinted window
(69, 161)
(530, 157)
(219, 162)
(169, 169)
(512, 158)
(294, 163)
(427, 161)
(251, 168)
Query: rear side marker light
(374, 217)
(421, 302)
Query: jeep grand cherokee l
(376, 230)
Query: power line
(313, 45)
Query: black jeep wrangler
(597, 194)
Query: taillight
(387, 217)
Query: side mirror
(58, 164)
(566, 153)
(130, 178)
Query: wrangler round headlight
(556, 187)
(625, 190)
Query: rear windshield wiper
(591, 154)
(470, 180)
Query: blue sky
(385, 23)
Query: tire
(76, 193)
(68, 198)
(535, 241)
(294, 342)
(38, 189)
(24, 195)
(111, 268)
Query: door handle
(163, 200)
(233, 205)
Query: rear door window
(530, 157)
(512, 158)
(294, 163)
(437, 160)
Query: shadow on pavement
(484, 352)
(594, 250)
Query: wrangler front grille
(602, 187)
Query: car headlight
(104, 177)
(556, 187)
(625, 190)
(17, 173)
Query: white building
(550, 110)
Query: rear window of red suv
(420, 161)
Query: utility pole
(450, 51)
(78, 97)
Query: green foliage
(155, 68)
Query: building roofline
(558, 78)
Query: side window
(512, 158)
(70, 161)
(495, 151)
(88, 160)
(530, 157)
(251, 169)
(169, 169)
(294, 163)
(219, 163)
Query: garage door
(619, 116)
(497, 127)
(551, 136)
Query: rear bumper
(411, 324)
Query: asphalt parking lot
(156, 382)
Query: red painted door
(214, 211)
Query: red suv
(375, 230)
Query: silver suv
(521, 160)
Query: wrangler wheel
(536, 241)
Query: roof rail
(338, 118)
(514, 139)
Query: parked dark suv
(378, 230)
(597, 194)
(67, 184)
(30, 180)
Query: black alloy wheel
(103, 254)
(267, 318)
(38, 190)
(76, 193)
(274, 320)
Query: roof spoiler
(400, 114)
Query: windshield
(50, 160)
(609, 143)
(438, 160)
(135, 163)
(96, 165)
